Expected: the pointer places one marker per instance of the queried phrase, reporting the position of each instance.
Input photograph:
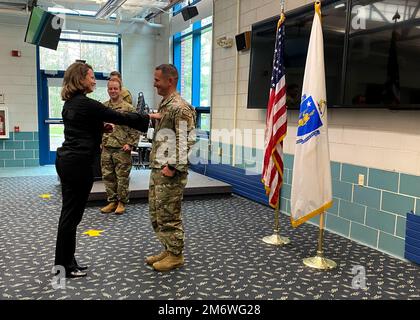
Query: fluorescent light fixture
(71, 12)
(109, 8)
(171, 4)
(339, 5)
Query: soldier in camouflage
(125, 93)
(116, 159)
(173, 138)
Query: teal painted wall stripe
(342, 190)
(350, 173)
(391, 244)
(364, 234)
(20, 150)
(352, 211)
(335, 170)
(338, 225)
(410, 185)
(384, 180)
(396, 203)
(380, 220)
(367, 196)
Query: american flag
(276, 123)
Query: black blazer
(84, 123)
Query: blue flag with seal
(309, 120)
(311, 183)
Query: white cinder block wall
(18, 78)
(163, 50)
(383, 139)
(138, 59)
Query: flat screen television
(371, 54)
(44, 29)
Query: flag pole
(319, 262)
(276, 239)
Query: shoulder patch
(184, 112)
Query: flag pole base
(276, 240)
(319, 262)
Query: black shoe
(82, 268)
(76, 273)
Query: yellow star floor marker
(45, 196)
(93, 233)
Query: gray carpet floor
(225, 257)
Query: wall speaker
(189, 12)
(243, 41)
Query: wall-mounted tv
(371, 50)
(44, 29)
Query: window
(101, 91)
(204, 120)
(186, 68)
(55, 102)
(192, 57)
(101, 52)
(206, 48)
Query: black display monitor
(298, 26)
(382, 63)
(370, 49)
(44, 29)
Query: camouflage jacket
(126, 95)
(174, 134)
(121, 135)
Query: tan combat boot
(170, 262)
(120, 209)
(152, 259)
(109, 208)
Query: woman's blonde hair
(73, 77)
(117, 81)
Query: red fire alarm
(16, 53)
(17, 129)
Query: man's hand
(108, 127)
(168, 172)
(127, 148)
(155, 116)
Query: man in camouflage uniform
(125, 93)
(116, 159)
(173, 138)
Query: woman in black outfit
(83, 127)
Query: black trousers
(76, 182)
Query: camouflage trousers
(165, 196)
(116, 167)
